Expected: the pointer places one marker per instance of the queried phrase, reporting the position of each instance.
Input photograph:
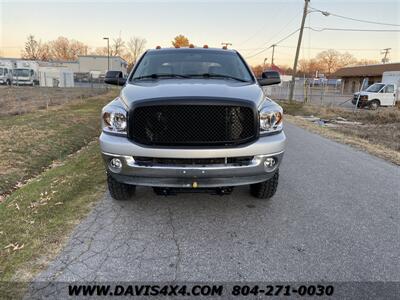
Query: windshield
(21, 72)
(192, 63)
(376, 87)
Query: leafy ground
(33, 141)
(51, 172)
(378, 133)
(36, 219)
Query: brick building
(352, 77)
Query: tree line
(65, 49)
(326, 62)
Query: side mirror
(269, 78)
(115, 81)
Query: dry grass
(55, 175)
(384, 115)
(379, 133)
(36, 220)
(33, 141)
(22, 100)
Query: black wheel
(119, 190)
(374, 105)
(265, 189)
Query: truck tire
(119, 190)
(374, 105)
(265, 189)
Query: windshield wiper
(156, 76)
(212, 75)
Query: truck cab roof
(192, 49)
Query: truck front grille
(186, 124)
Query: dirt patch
(375, 132)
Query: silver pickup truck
(192, 119)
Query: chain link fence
(327, 93)
(16, 100)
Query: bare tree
(64, 49)
(34, 49)
(136, 46)
(365, 61)
(331, 60)
(309, 67)
(118, 47)
(100, 51)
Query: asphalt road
(335, 217)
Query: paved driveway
(336, 217)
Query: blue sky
(249, 25)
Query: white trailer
(56, 77)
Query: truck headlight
(271, 119)
(114, 119)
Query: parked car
(384, 93)
(192, 119)
(114, 77)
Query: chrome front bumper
(188, 176)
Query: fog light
(269, 162)
(115, 164)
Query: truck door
(388, 95)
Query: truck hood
(169, 88)
(363, 93)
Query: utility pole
(265, 63)
(108, 52)
(296, 58)
(385, 52)
(273, 53)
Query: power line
(257, 32)
(353, 19)
(281, 40)
(280, 31)
(352, 29)
(320, 30)
(326, 48)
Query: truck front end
(191, 131)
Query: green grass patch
(31, 142)
(36, 219)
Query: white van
(5, 75)
(384, 93)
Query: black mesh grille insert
(148, 161)
(192, 124)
